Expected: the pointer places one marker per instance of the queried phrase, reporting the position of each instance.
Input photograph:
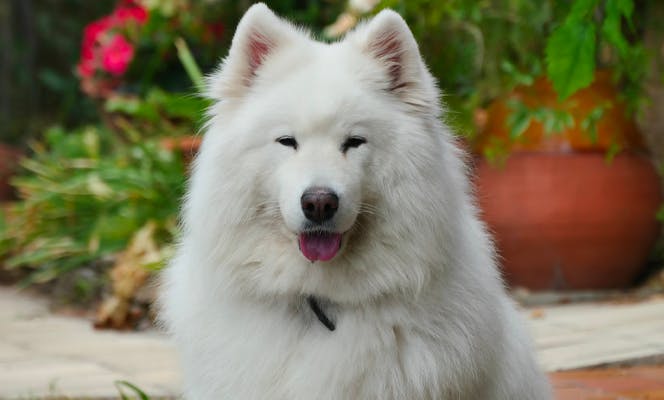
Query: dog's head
(331, 154)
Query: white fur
(419, 306)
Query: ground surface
(642, 383)
(42, 354)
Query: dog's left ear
(259, 36)
(389, 40)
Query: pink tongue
(320, 246)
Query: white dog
(331, 248)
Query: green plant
(482, 50)
(122, 385)
(589, 36)
(40, 42)
(158, 113)
(161, 113)
(83, 195)
(139, 35)
(86, 192)
(478, 50)
(594, 34)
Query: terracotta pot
(571, 221)
(188, 145)
(562, 216)
(9, 157)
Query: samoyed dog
(330, 247)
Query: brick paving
(43, 355)
(632, 383)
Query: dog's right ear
(258, 36)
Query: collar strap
(315, 307)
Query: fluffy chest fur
(377, 351)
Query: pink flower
(116, 55)
(128, 10)
(106, 52)
(92, 35)
(85, 69)
(124, 14)
(86, 65)
(94, 30)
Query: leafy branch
(590, 25)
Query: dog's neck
(314, 304)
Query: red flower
(124, 14)
(116, 55)
(85, 69)
(94, 30)
(86, 66)
(105, 48)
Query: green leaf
(517, 76)
(519, 120)
(132, 106)
(613, 150)
(120, 384)
(67, 216)
(660, 214)
(581, 10)
(549, 122)
(612, 25)
(46, 249)
(589, 123)
(564, 120)
(570, 57)
(612, 33)
(555, 121)
(618, 8)
(178, 105)
(189, 64)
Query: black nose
(319, 204)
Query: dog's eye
(287, 141)
(352, 142)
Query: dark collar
(320, 314)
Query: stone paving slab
(585, 335)
(45, 355)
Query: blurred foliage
(660, 214)
(40, 42)
(159, 113)
(84, 193)
(477, 49)
(207, 27)
(38, 48)
(480, 50)
(594, 34)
